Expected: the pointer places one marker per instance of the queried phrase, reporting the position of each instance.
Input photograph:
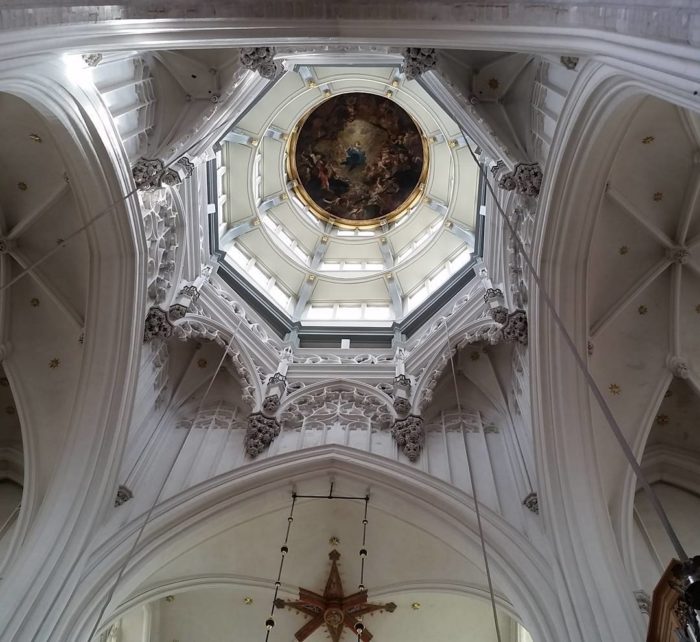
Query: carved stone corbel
(417, 61)
(260, 60)
(151, 173)
(643, 601)
(260, 433)
(409, 435)
(569, 62)
(531, 502)
(92, 60)
(525, 179)
(157, 325)
(123, 496)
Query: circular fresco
(358, 158)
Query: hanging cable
(363, 550)
(472, 481)
(583, 367)
(122, 568)
(359, 626)
(270, 622)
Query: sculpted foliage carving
(409, 435)
(260, 433)
(160, 223)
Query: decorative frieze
(409, 435)
(417, 61)
(260, 433)
(531, 502)
(260, 60)
(123, 496)
(157, 325)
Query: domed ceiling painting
(358, 159)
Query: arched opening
(421, 539)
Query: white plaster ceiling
(42, 313)
(677, 423)
(643, 306)
(405, 255)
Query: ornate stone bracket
(643, 601)
(569, 62)
(123, 496)
(157, 325)
(531, 502)
(92, 60)
(150, 173)
(409, 435)
(515, 327)
(260, 60)
(525, 179)
(260, 433)
(416, 61)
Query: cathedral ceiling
(644, 277)
(329, 270)
(43, 311)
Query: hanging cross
(333, 608)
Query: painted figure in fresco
(359, 156)
(354, 157)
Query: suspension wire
(475, 493)
(359, 626)
(110, 593)
(270, 623)
(583, 367)
(363, 550)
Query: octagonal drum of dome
(358, 160)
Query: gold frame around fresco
(347, 223)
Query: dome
(346, 196)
